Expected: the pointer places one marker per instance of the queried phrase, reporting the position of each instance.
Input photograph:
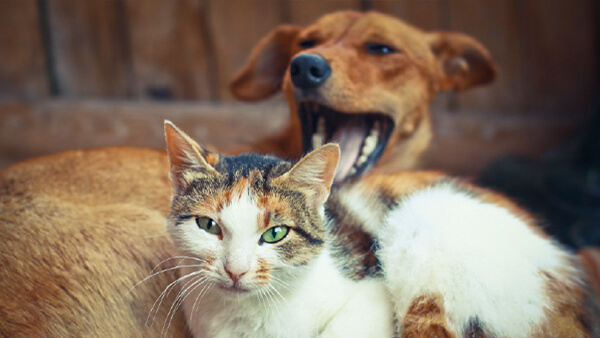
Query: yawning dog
(363, 80)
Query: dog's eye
(380, 48)
(308, 43)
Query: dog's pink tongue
(350, 139)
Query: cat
(272, 250)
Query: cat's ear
(186, 155)
(315, 171)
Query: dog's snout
(309, 71)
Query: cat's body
(236, 282)
(391, 255)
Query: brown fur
(399, 85)
(425, 318)
(78, 230)
(567, 319)
(73, 243)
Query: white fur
(483, 261)
(239, 222)
(307, 301)
(364, 205)
(321, 304)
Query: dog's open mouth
(362, 136)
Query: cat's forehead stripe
(266, 220)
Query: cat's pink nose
(235, 276)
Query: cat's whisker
(182, 291)
(261, 295)
(271, 298)
(194, 284)
(177, 257)
(162, 271)
(281, 283)
(279, 294)
(165, 293)
(274, 301)
(200, 296)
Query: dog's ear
(263, 73)
(463, 62)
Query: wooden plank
(22, 58)
(463, 143)
(426, 15)
(89, 45)
(34, 129)
(305, 12)
(558, 55)
(237, 25)
(169, 48)
(494, 24)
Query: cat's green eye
(208, 225)
(275, 234)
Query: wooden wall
(189, 49)
(183, 53)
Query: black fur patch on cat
(475, 329)
(241, 165)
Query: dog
(82, 243)
(362, 80)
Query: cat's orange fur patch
(274, 205)
(262, 272)
(426, 318)
(223, 199)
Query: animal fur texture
(454, 261)
(83, 251)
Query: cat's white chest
(265, 316)
(324, 304)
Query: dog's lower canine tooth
(317, 140)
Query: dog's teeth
(319, 136)
(362, 159)
(370, 143)
(317, 141)
(352, 171)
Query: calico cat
(269, 253)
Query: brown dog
(363, 80)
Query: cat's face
(248, 222)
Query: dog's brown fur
(77, 231)
(400, 85)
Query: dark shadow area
(562, 189)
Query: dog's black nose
(309, 71)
